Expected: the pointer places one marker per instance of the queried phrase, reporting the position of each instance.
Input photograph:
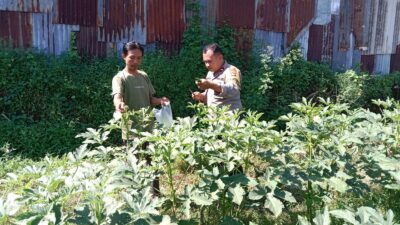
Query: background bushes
(40, 138)
(45, 101)
(55, 88)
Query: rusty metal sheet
(301, 15)
(120, 19)
(323, 13)
(316, 44)
(26, 5)
(358, 23)
(269, 41)
(87, 44)
(16, 28)
(345, 23)
(395, 60)
(368, 63)
(396, 30)
(395, 63)
(244, 40)
(165, 22)
(76, 12)
(272, 15)
(236, 13)
(320, 43)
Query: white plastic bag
(117, 115)
(164, 115)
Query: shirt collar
(222, 69)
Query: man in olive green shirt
(132, 87)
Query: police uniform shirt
(229, 78)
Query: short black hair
(213, 47)
(132, 45)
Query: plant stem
(309, 202)
(171, 179)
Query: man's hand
(204, 84)
(159, 101)
(119, 103)
(198, 96)
(120, 107)
(164, 101)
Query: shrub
(286, 81)
(40, 138)
(53, 88)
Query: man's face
(133, 59)
(212, 61)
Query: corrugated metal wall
(100, 26)
(272, 15)
(16, 28)
(365, 32)
(343, 33)
(301, 16)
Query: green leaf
(237, 179)
(322, 218)
(387, 163)
(186, 208)
(338, 184)
(215, 171)
(345, 215)
(393, 186)
(257, 194)
(364, 215)
(302, 220)
(201, 199)
(396, 176)
(285, 195)
(343, 175)
(237, 193)
(10, 206)
(273, 204)
(220, 184)
(389, 217)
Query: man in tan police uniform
(222, 84)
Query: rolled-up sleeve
(117, 86)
